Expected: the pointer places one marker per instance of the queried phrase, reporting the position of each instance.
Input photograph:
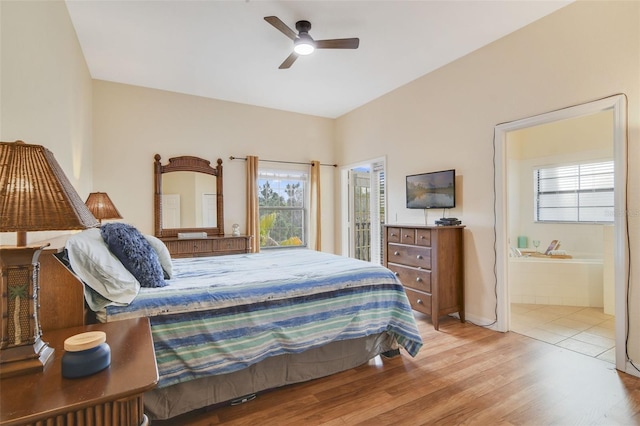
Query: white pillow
(163, 254)
(98, 268)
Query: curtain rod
(279, 161)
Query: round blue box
(85, 354)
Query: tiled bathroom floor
(586, 330)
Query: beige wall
(445, 119)
(591, 132)
(132, 124)
(45, 90)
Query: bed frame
(242, 386)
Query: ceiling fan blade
(284, 29)
(338, 43)
(289, 61)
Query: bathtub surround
(577, 281)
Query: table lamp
(35, 195)
(102, 207)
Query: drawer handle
(419, 256)
(422, 237)
(396, 253)
(396, 274)
(406, 235)
(418, 279)
(419, 301)
(393, 234)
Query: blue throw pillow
(134, 251)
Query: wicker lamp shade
(102, 207)
(35, 194)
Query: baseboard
(489, 323)
(630, 369)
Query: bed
(227, 327)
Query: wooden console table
(109, 397)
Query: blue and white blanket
(222, 314)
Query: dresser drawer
(419, 301)
(231, 245)
(393, 235)
(188, 246)
(407, 235)
(420, 257)
(419, 279)
(423, 237)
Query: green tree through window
(282, 204)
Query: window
(282, 201)
(574, 193)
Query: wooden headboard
(61, 292)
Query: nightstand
(111, 396)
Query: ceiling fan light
(304, 46)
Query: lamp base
(22, 350)
(19, 360)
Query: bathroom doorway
(560, 181)
(616, 107)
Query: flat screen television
(435, 190)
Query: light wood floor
(464, 374)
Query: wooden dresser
(209, 246)
(428, 260)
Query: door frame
(345, 207)
(618, 105)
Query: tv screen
(435, 190)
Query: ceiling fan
(304, 44)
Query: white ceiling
(225, 50)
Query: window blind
(574, 193)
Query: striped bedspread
(222, 314)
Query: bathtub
(575, 282)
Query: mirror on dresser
(188, 197)
(189, 208)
